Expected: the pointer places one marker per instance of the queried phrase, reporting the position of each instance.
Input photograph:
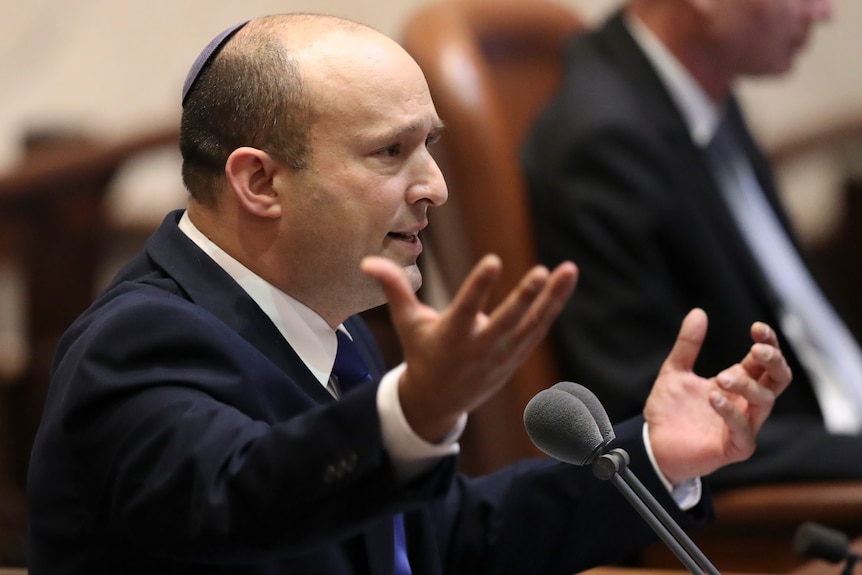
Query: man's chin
(414, 276)
(377, 297)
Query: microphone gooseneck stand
(569, 423)
(613, 466)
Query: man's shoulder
(597, 102)
(124, 308)
(599, 88)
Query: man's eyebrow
(438, 127)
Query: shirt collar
(304, 330)
(701, 114)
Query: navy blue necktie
(350, 370)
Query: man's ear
(251, 173)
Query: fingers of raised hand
(473, 293)
(537, 298)
(762, 333)
(740, 431)
(743, 404)
(528, 311)
(752, 397)
(406, 309)
(738, 385)
(688, 342)
(391, 278)
(766, 363)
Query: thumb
(396, 287)
(688, 342)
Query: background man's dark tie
(820, 338)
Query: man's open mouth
(402, 236)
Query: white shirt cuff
(410, 454)
(687, 493)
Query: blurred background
(111, 69)
(80, 75)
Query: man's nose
(431, 186)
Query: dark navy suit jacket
(618, 186)
(181, 434)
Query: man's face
(764, 36)
(371, 177)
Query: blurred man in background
(642, 170)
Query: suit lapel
(705, 198)
(421, 548)
(210, 287)
(379, 545)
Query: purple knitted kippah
(208, 54)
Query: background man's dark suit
(206, 387)
(618, 186)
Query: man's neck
(682, 31)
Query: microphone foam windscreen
(819, 542)
(560, 425)
(593, 405)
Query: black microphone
(816, 541)
(561, 425)
(570, 424)
(594, 406)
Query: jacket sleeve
(542, 516)
(188, 442)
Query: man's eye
(432, 139)
(391, 151)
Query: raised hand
(456, 359)
(697, 425)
